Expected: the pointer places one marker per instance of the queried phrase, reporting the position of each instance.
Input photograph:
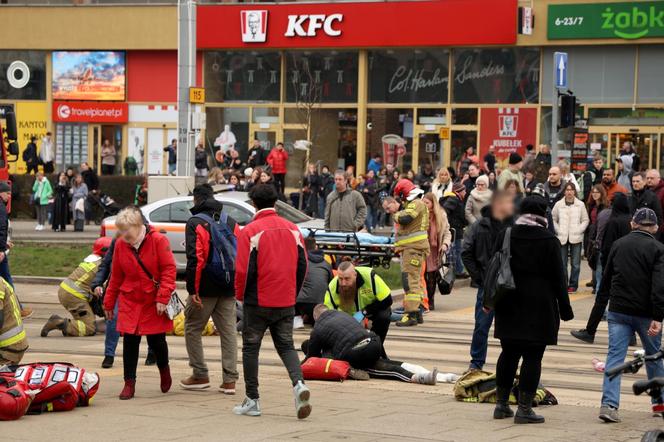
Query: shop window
(507, 75)
(409, 76)
(464, 116)
(651, 72)
(71, 145)
(242, 76)
(545, 125)
(321, 77)
(460, 142)
(381, 122)
(226, 128)
(265, 115)
(625, 116)
(597, 74)
(26, 80)
(431, 116)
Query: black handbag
(498, 279)
(97, 306)
(446, 276)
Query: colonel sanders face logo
(508, 125)
(254, 26)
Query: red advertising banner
(90, 112)
(359, 24)
(507, 129)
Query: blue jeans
(6, 275)
(573, 250)
(458, 263)
(112, 335)
(321, 207)
(598, 273)
(372, 218)
(480, 342)
(621, 328)
(172, 168)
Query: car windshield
(290, 213)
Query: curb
(54, 280)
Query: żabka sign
(368, 24)
(89, 112)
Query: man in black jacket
(319, 275)
(477, 250)
(339, 336)
(633, 286)
(207, 297)
(454, 205)
(593, 175)
(644, 197)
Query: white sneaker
(302, 395)
(37, 227)
(298, 322)
(249, 407)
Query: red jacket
(271, 262)
(278, 159)
(135, 292)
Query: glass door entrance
(646, 146)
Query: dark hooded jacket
(617, 226)
(646, 198)
(478, 244)
(319, 275)
(197, 248)
(335, 334)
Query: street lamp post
(186, 79)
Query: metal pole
(186, 79)
(554, 113)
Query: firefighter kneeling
(412, 242)
(75, 295)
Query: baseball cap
(645, 217)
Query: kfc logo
(308, 25)
(254, 26)
(64, 112)
(507, 124)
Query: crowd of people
(536, 213)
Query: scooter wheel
(653, 436)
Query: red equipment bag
(14, 401)
(325, 369)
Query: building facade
(435, 77)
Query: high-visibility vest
(370, 288)
(80, 280)
(12, 334)
(415, 233)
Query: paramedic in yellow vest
(361, 293)
(412, 242)
(75, 294)
(13, 341)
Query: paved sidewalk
(24, 230)
(375, 410)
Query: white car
(169, 216)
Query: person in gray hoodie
(319, 275)
(625, 172)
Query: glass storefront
(242, 76)
(321, 77)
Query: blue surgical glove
(359, 316)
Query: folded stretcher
(365, 248)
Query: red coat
(271, 263)
(278, 159)
(135, 292)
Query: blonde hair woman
(142, 280)
(216, 176)
(442, 184)
(440, 239)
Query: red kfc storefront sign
(90, 112)
(358, 24)
(508, 130)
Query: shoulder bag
(175, 305)
(498, 279)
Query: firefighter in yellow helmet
(13, 341)
(412, 242)
(75, 294)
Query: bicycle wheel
(653, 436)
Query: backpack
(498, 280)
(221, 263)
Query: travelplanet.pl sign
(627, 20)
(90, 112)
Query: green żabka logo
(634, 23)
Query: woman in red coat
(141, 300)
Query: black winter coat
(4, 226)
(456, 215)
(334, 334)
(479, 244)
(645, 198)
(104, 270)
(90, 179)
(319, 275)
(617, 226)
(633, 279)
(533, 311)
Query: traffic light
(567, 110)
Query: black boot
(408, 320)
(420, 315)
(432, 304)
(55, 322)
(525, 413)
(502, 409)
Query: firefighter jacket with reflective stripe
(12, 335)
(80, 281)
(413, 224)
(372, 292)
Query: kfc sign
(508, 130)
(254, 26)
(308, 25)
(367, 24)
(84, 112)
